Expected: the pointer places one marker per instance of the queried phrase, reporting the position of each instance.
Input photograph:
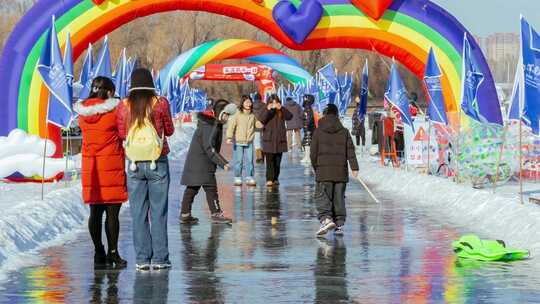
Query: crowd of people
(125, 148)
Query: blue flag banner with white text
(396, 94)
(51, 69)
(530, 42)
(432, 80)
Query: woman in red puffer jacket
(103, 167)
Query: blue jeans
(149, 203)
(238, 158)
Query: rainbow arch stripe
(406, 32)
(222, 49)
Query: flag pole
(429, 149)
(43, 167)
(520, 163)
(499, 159)
(368, 190)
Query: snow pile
(498, 216)
(23, 153)
(33, 224)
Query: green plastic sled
(472, 247)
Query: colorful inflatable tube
(406, 31)
(222, 49)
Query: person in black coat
(358, 127)
(274, 137)
(309, 124)
(202, 160)
(332, 151)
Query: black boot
(100, 259)
(114, 258)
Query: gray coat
(297, 121)
(204, 153)
(274, 138)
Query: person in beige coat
(241, 133)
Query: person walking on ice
(241, 133)
(332, 151)
(202, 160)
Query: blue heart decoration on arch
(298, 23)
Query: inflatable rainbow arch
(406, 32)
(222, 49)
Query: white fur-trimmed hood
(101, 108)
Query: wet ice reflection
(390, 254)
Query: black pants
(212, 198)
(330, 201)
(358, 137)
(112, 226)
(273, 166)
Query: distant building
(502, 46)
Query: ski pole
(368, 190)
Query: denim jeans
(238, 158)
(149, 203)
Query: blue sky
(485, 17)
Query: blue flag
(103, 61)
(530, 43)
(396, 94)
(432, 80)
(328, 77)
(515, 111)
(85, 80)
(68, 65)
(54, 76)
(364, 90)
(121, 77)
(472, 79)
(345, 92)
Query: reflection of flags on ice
(432, 80)
(364, 90)
(472, 78)
(396, 94)
(54, 76)
(529, 88)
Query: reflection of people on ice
(309, 124)
(273, 118)
(241, 133)
(202, 160)
(332, 151)
(103, 170)
(145, 121)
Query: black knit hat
(141, 79)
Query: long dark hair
(140, 102)
(241, 105)
(101, 86)
(272, 98)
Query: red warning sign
(421, 135)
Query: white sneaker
(238, 181)
(326, 225)
(143, 267)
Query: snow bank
(30, 225)
(498, 216)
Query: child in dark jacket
(202, 160)
(332, 151)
